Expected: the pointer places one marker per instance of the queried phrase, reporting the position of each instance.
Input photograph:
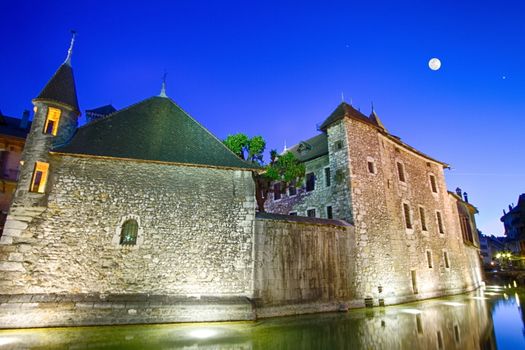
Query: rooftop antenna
(285, 148)
(163, 88)
(373, 109)
(342, 97)
(70, 50)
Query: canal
(491, 318)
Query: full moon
(434, 64)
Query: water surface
(486, 319)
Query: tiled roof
(61, 88)
(342, 111)
(155, 129)
(103, 111)
(11, 126)
(312, 148)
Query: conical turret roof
(61, 88)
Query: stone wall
(195, 231)
(388, 251)
(302, 265)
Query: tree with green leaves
(284, 168)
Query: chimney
(465, 196)
(25, 119)
(458, 192)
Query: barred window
(129, 232)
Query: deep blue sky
(278, 68)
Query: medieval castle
(86, 242)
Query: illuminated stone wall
(195, 231)
(302, 267)
(387, 251)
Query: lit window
(445, 258)
(440, 222)
(329, 213)
(38, 182)
(423, 218)
(406, 212)
(52, 119)
(129, 232)
(429, 259)
(277, 191)
(310, 182)
(327, 179)
(433, 184)
(401, 171)
(310, 213)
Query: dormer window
(52, 119)
(39, 179)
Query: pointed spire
(342, 97)
(375, 118)
(285, 148)
(163, 88)
(70, 50)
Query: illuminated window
(129, 232)
(406, 212)
(51, 124)
(433, 184)
(38, 182)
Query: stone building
(514, 222)
(143, 216)
(13, 133)
(412, 235)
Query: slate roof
(11, 126)
(312, 148)
(155, 129)
(342, 111)
(103, 111)
(61, 88)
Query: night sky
(278, 69)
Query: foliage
(284, 168)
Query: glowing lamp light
(498, 256)
(203, 333)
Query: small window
(433, 184)
(401, 172)
(38, 182)
(419, 324)
(52, 119)
(310, 182)
(329, 213)
(277, 191)
(423, 218)
(429, 259)
(371, 167)
(129, 232)
(406, 212)
(439, 222)
(292, 190)
(338, 145)
(292, 213)
(445, 259)
(310, 213)
(457, 336)
(440, 340)
(327, 179)
(413, 275)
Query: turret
(54, 123)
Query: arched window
(129, 232)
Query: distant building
(489, 247)
(13, 133)
(514, 222)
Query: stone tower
(54, 123)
